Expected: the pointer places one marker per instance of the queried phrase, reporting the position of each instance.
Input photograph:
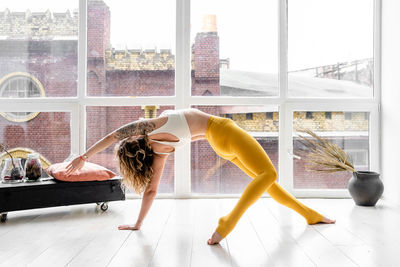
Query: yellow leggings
(232, 143)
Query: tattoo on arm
(135, 128)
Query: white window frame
(363, 151)
(183, 99)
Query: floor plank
(356, 234)
(16, 219)
(243, 254)
(280, 246)
(175, 234)
(175, 245)
(206, 220)
(37, 233)
(76, 235)
(363, 222)
(319, 249)
(139, 248)
(108, 240)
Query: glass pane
(348, 130)
(47, 133)
(38, 48)
(131, 48)
(235, 49)
(214, 175)
(330, 48)
(103, 120)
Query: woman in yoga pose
(145, 145)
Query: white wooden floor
(175, 234)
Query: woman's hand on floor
(130, 226)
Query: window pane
(103, 120)
(352, 135)
(235, 49)
(214, 175)
(47, 133)
(330, 48)
(131, 48)
(38, 48)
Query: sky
(321, 32)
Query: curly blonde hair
(135, 157)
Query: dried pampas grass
(324, 156)
(3, 148)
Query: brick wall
(57, 72)
(140, 83)
(357, 121)
(205, 77)
(49, 133)
(98, 27)
(98, 35)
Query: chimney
(98, 38)
(209, 23)
(205, 58)
(98, 27)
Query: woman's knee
(269, 176)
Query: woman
(146, 144)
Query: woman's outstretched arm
(149, 194)
(139, 127)
(131, 129)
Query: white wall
(390, 115)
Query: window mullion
(377, 50)
(283, 49)
(182, 92)
(374, 131)
(285, 118)
(79, 137)
(375, 126)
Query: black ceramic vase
(365, 188)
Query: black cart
(53, 193)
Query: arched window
(20, 85)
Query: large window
(331, 48)
(235, 49)
(39, 41)
(131, 48)
(71, 72)
(38, 61)
(214, 175)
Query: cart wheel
(104, 206)
(3, 217)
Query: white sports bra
(176, 125)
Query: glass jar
(12, 173)
(33, 167)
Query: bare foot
(327, 220)
(215, 239)
(324, 220)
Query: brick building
(38, 58)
